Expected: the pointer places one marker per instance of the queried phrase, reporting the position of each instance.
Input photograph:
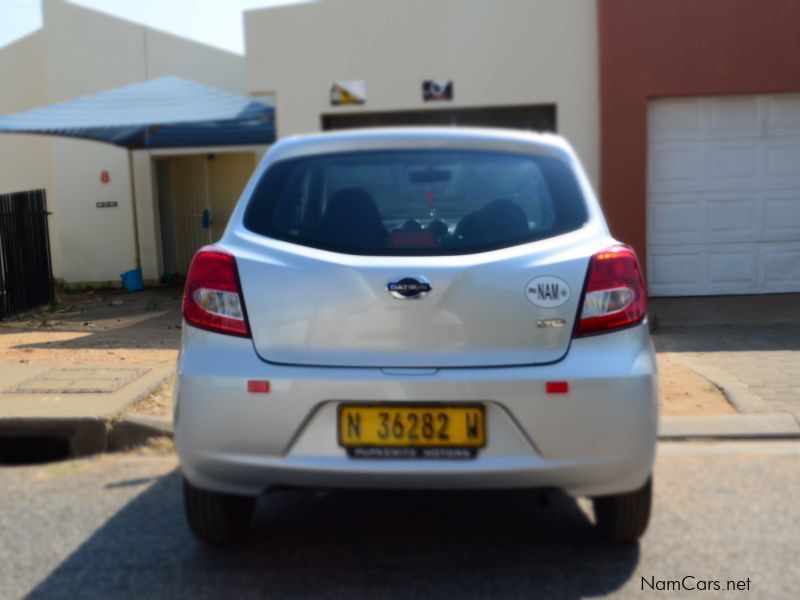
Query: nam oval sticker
(547, 291)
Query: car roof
(432, 138)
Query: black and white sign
(547, 291)
(434, 91)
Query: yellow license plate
(404, 431)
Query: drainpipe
(133, 208)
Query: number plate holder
(412, 431)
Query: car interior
(351, 218)
(346, 202)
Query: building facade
(79, 52)
(686, 114)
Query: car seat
(499, 220)
(352, 219)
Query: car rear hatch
(414, 259)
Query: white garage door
(723, 195)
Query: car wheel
(624, 517)
(217, 518)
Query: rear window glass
(419, 202)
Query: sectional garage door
(723, 199)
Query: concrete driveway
(747, 345)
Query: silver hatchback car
(416, 308)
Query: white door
(723, 195)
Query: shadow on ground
(726, 323)
(728, 338)
(351, 544)
(148, 320)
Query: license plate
(412, 431)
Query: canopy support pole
(133, 208)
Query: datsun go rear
(416, 309)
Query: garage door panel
(724, 195)
(677, 120)
(730, 163)
(732, 219)
(783, 115)
(675, 167)
(781, 266)
(704, 269)
(675, 219)
(784, 162)
(733, 269)
(702, 217)
(674, 271)
(722, 165)
(782, 217)
(735, 114)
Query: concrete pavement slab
(27, 392)
(46, 400)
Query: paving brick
(760, 360)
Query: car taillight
(212, 298)
(615, 295)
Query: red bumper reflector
(258, 387)
(557, 387)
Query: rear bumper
(597, 439)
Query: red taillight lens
(212, 298)
(615, 295)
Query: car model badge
(408, 288)
(547, 291)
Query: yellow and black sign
(348, 93)
(412, 427)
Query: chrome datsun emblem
(408, 288)
(547, 291)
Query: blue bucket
(132, 280)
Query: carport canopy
(169, 112)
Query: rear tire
(216, 518)
(624, 517)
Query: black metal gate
(26, 278)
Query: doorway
(196, 196)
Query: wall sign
(435, 91)
(112, 204)
(348, 93)
(105, 177)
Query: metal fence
(26, 278)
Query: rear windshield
(418, 202)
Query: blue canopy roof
(163, 113)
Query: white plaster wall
(25, 159)
(498, 52)
(22, 157)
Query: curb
(137, 430)
(90, 436)
(739, 426)
(85, 431)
